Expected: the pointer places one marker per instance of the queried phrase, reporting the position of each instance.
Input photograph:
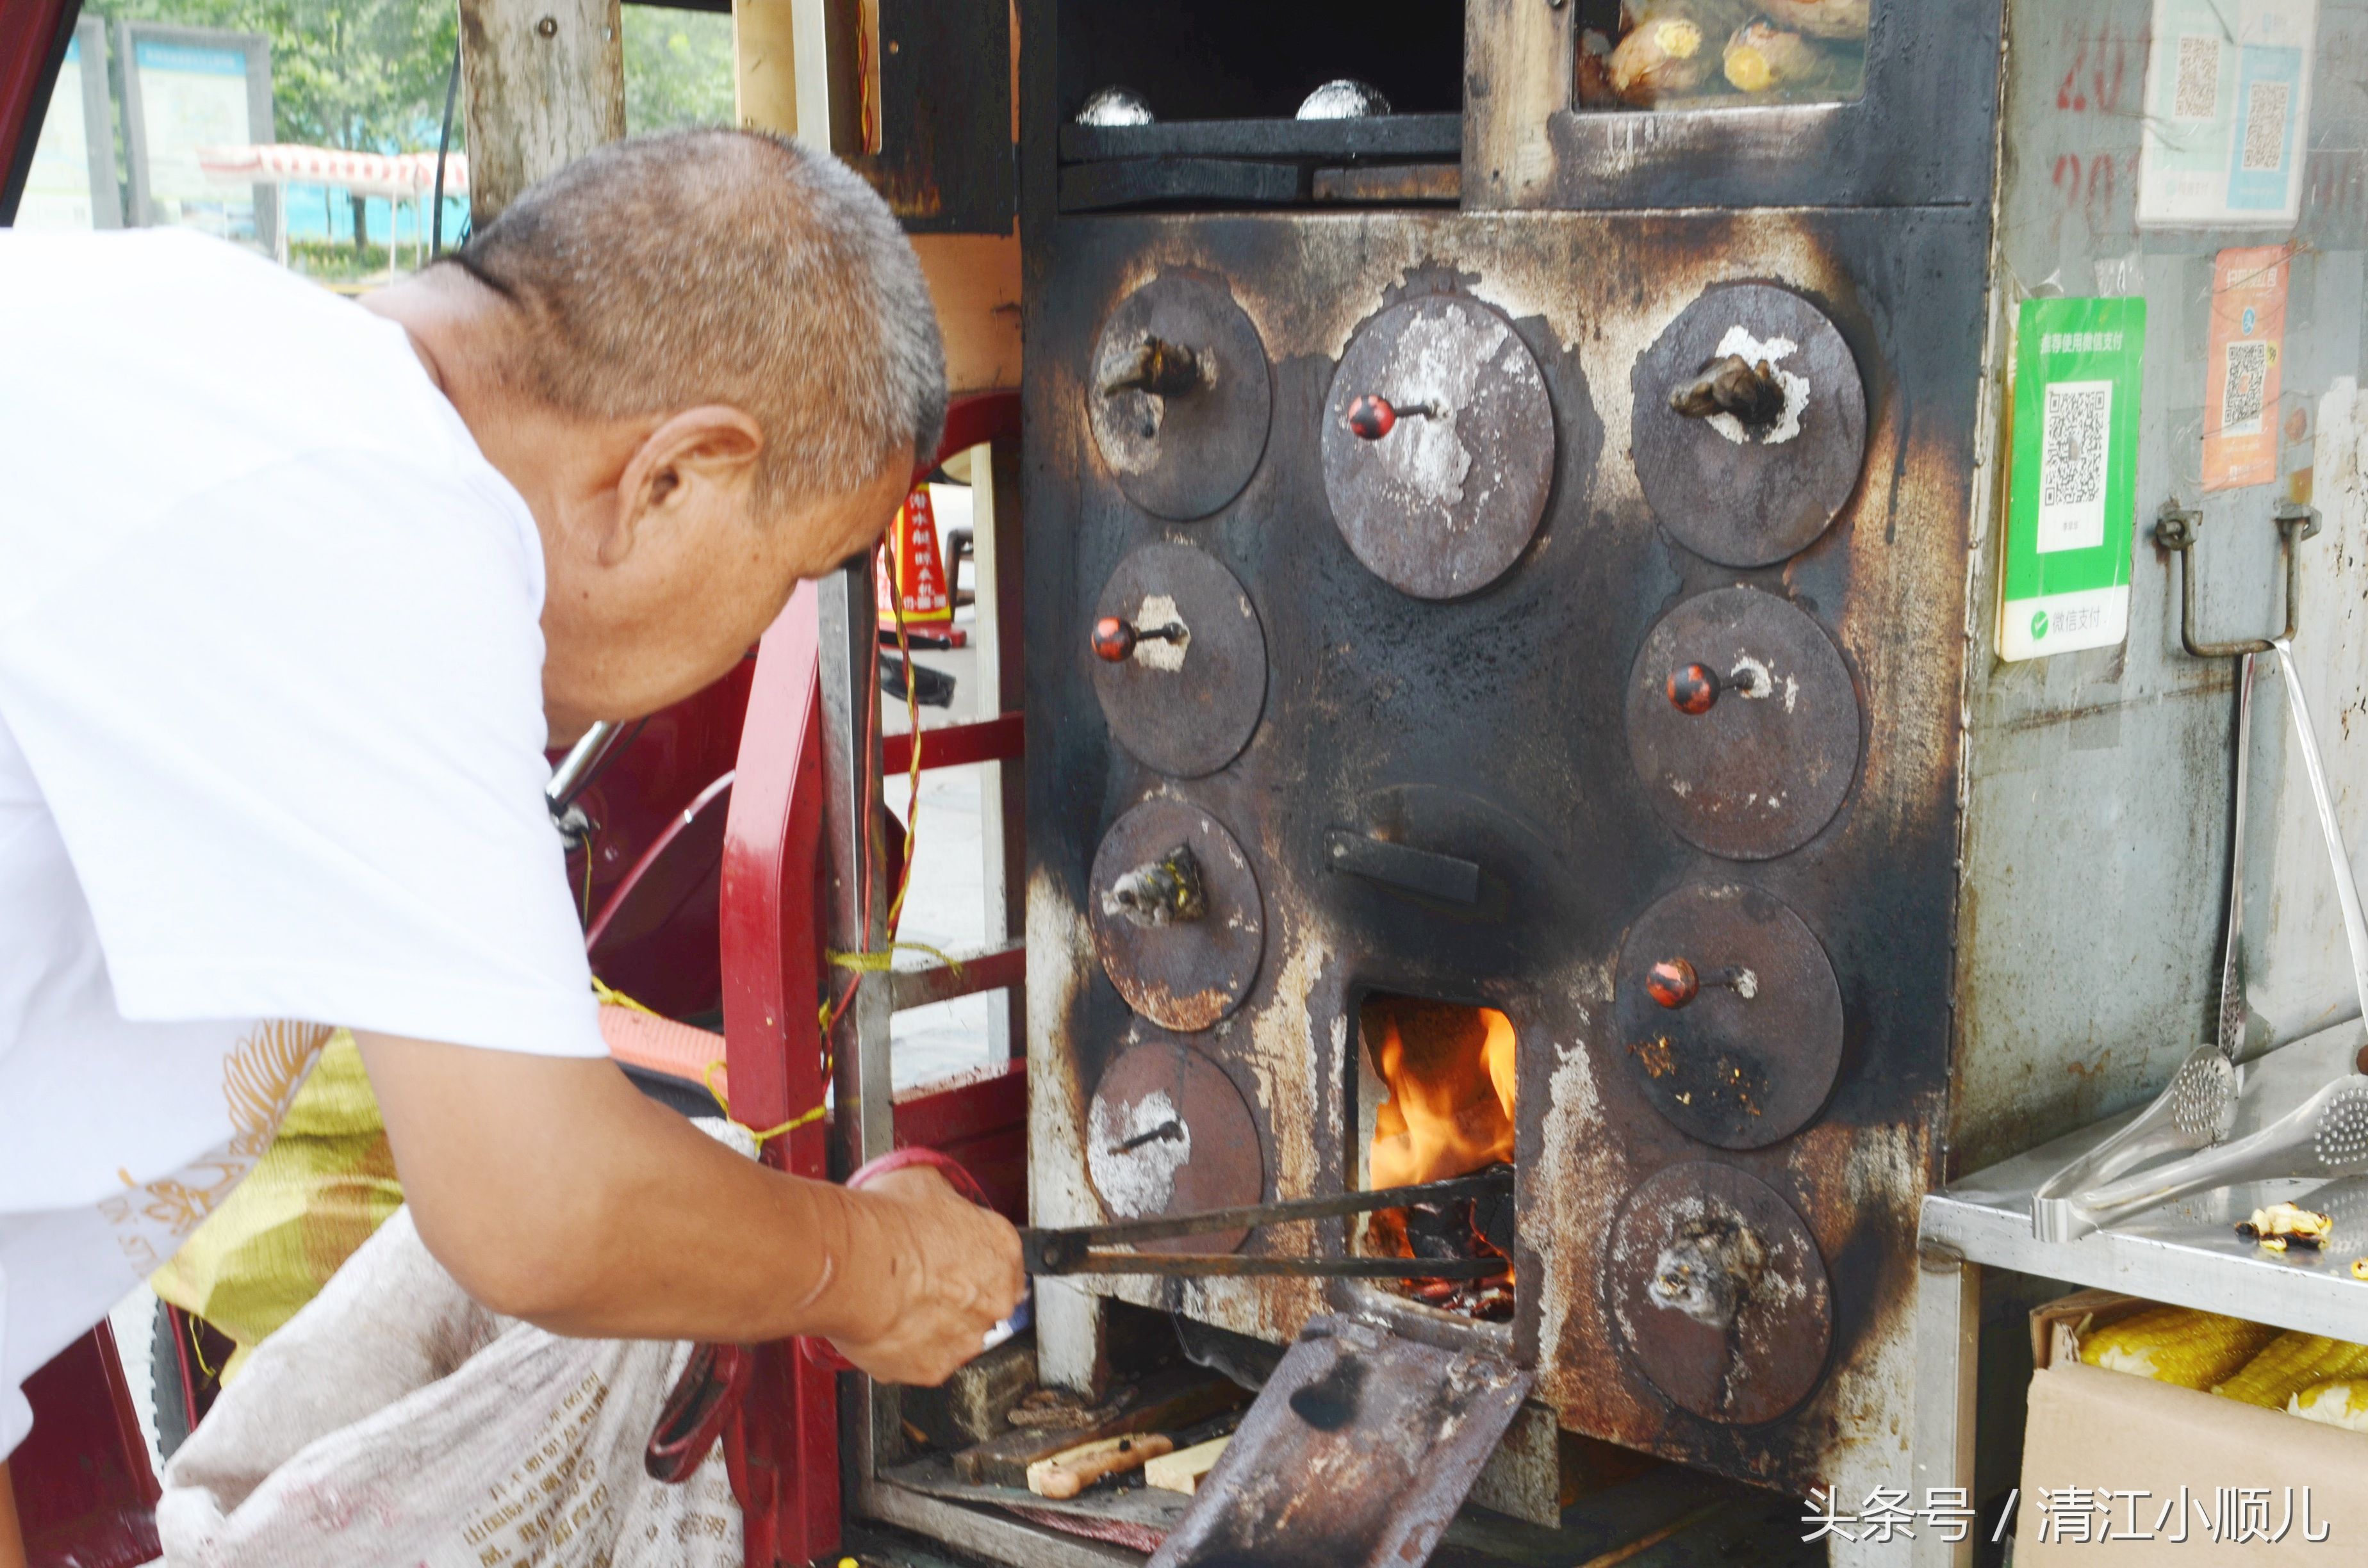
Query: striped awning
(365, 173)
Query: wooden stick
(1066, 1474)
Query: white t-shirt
(271, 742)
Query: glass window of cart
(1691, 54)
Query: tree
(678, 69)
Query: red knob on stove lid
(1694, 689)
(1113, 640)
(1371, 417)
(1672, 982)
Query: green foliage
(678, 69)
(339, 261)
(366, 75)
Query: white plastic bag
(395, 1422)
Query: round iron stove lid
(1439, 446)
(1743, 724)
(1170, 1133)
(1719, 1294)
(1179, 397)
(1730, 1013)
(1748, 488)
(1186, 697)
(1177, 916)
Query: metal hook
(2175, 529)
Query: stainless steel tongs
(1076, 1250)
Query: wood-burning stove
(1553, 603)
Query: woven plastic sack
(324, 1185)
(394, 1423)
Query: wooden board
(1169, 1402)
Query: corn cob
(2176, 1345)
(2335, 1405)
(2290, 1363)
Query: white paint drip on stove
(1158, 611)
(1775, 351)
(1141, 1180)
(1436, 365)
(1752, 679)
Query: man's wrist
(844, 1299)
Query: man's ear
(712, 449)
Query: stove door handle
(1396, 866)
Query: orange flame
(1449, 1072)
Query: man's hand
(555, 1192)
(950, 1272)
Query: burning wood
(1450, 1071)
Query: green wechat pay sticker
(2071, 501)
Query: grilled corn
(2176, 1345)
(2281, 1224)
(2290, 1363)
(2335, 1405)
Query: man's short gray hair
(725, 267)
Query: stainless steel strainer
(2198, 1107)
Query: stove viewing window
(1752, 104)
(1684, 54)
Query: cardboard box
(2238, 1471)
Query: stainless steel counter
(2185, 1253)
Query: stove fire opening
(1435, 1100)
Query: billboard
(185, 88)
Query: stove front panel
(1575, 671)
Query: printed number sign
(2070, 500)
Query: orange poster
(914, 565)
(2240, 394)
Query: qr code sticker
(2074, 442)
(2265, 127)
(2196, 95)
(2247, 377)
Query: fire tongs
(1076, 1249)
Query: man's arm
(555, 1192)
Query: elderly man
(294, 594)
